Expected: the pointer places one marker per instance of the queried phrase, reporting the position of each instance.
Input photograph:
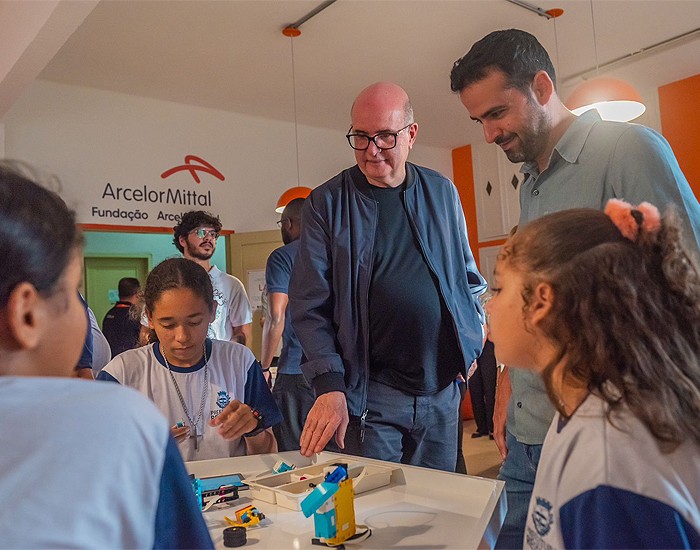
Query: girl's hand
(179, 433)
(235, 420)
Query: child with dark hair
(606, 306)
(213, 392)
(136, 492)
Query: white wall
(90, 137)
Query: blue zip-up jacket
(329, 288)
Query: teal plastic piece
(318, 496)
(324, 525)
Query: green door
(102, 276)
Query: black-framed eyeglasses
(383, 140)
(203, 233)
(279, 223)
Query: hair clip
(629, 219)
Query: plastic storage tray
(287, 490)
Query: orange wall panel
(680, 119)
(464, 181)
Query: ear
(542, 87)
(183, 241)
(149, 317)
(213, 313)
(24, 313)
(541, 304)
(412, 133)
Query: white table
(419, 509)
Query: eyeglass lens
(382, 141)
(202, 233)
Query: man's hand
(328, 417)
(472, 369)
(500, 411)
(235, 420)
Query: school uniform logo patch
(222, 399)
(542, 516)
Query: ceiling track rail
(318, 9)
(634, 56)
(526, 5)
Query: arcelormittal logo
(193, 164)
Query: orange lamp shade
(289, 195)
(613, 99)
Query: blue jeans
(294, 397)
(518, 471)
(420, 430)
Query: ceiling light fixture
(299, 191)
(292, 31)
(613, 99)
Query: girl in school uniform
(606, 306)
(213, 392)
(82, 465)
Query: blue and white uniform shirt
(607, 485)
(234, 374)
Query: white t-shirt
(232, 305)
(605, 486)
(234, 374)
(90, 465)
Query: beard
(194, 252)
(533, 137)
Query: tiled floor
(481, 454)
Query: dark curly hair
(625, 318)
(192, 220)
(517, 53)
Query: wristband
(259, 417)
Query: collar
(184, 370)
(571, 144)
(365, 187)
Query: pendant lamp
(299, 191)
(613, 99)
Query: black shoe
(477, 434)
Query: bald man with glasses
(383, 297)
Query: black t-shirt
(412, 343)
(121, 331)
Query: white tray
(286, 490)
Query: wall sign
(163, 201)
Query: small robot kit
(217, 489)
(332, 504)
(289, 487)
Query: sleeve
(258, 396)
(85, 361)
(240, 312)
(311, 304)
(277, 273)
(179, 522)
(104, 376)
(101, 352)
(609, 517)
(113, 371)
(477, 283)
(644, 168)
